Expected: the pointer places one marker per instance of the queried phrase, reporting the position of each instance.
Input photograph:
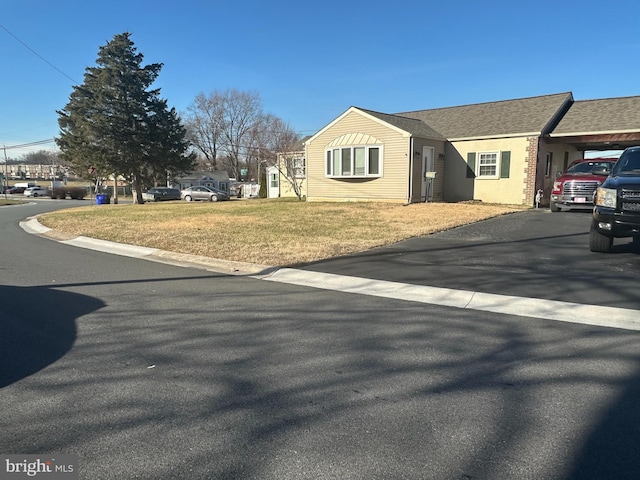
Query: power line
(38, 55)
(31, 144)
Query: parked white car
(36, 192)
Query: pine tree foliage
(115, 124)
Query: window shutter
(471, 165)
(505, 164)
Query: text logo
(49, 467)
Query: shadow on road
(206, 379)
(611, 449)
(37, 327)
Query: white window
(360, 161)
(296, 167)
(488, 165)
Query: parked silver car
(203, 193)
(36, 192)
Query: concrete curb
(32, 225)
(611, 317)
(509, 305)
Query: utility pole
(4, 147)
(115, 188)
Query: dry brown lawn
(266, 232)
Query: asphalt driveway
(534, 253)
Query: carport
(606, 125)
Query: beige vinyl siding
(392, 185)
(286, 189)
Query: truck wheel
(553, 207)
(599, 242)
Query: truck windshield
(586, 167)
(629, 162)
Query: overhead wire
(38, 55)
(49, 140)
(42, 142)
(31, 144)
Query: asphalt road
(152, 371)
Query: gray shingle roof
(412, 125)
(299, 145)
(600, 116)
(533, 115)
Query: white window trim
(352, 147)
(496, 176)
(300, 171)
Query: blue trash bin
(101, 199)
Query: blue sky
(311, 61)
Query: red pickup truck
(576, 186)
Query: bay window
(361, 161)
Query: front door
(273, 182)
(428, 165)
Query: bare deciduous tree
(204, 125)
(41, 157)
(231, 130)
(222, 126)
(242, 113)
(288, 154)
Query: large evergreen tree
(115, 124)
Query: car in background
(36, 192)
(158, 194)
(576, 186)
(16, 190)
(203, 193)
(616, 211)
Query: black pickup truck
(616, 211)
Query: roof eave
(591, 132)
(495, 137)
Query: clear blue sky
(311, 61)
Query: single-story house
(496, 152)
(215, 179)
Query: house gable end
(361, 112)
